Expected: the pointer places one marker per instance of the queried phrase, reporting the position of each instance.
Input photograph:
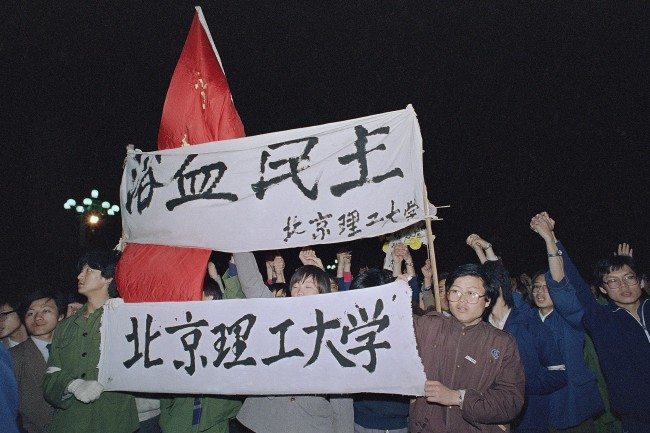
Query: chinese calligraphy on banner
(323, 184)
(347, 342)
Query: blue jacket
(580, 399)
(8, 394)
(538, 351)
(381, 412)
(622, 343)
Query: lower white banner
(338, 343)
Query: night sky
(523, 108)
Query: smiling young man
(475, 380)
(41, 313)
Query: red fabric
(198, 109)
(149, 273)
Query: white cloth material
(499, 324)
(42, 347)
(85, 391)
(330, 183)
(543, 316)
(147, 408)
(364, 339)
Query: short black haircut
(498, 274)
(36, 294)
(320, 277)
(282, 287)
(474, 270)
(103, 261)
(211, 288)
(373, 277)
(614, 263)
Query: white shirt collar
(544, 316)
(42, 347)
(501, 323)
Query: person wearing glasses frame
(475, 379)
(12, 330)
(619, 329)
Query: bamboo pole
(432, 253)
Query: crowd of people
(550, 352)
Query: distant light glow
(93, 219)
(80, 209)
(87, 201)
(115, 208)
(106, 205)
(110, 212)
(94, 193)
(66, 205)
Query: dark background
(523, 107)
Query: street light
(92, 212)
(92, 207)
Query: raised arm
(561, 289)
(343, 270)
(250, 277)
(278, 269)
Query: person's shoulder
(20, 349)
(496, 333)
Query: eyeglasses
(615, 283)
(471, 297)
(4, 314)
(539, 288)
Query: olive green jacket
(176, 414)
(75, 355)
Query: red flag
(198, 109)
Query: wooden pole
(432, 253)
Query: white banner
(324, 184)
(338, 343)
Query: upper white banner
(323, 184)
(337, 343)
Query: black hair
(211, 288)
(57, 297)
(443, 276)
(282, 287)
(474, 270)
(498, 274)
(614, 263)
(103, 261)
(320, 277)
(373, 277)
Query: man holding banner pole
(475, 380)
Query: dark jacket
(538, 352)
(29, 365)
(381, 412)
(481, 359)
(622, 343)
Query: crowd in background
(554, 350)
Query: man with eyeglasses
(475, 380)
(618, 329)
(12, 330)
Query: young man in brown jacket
(475, 380)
